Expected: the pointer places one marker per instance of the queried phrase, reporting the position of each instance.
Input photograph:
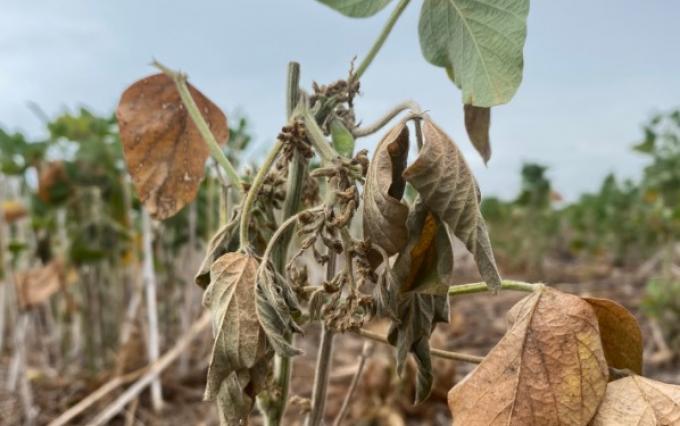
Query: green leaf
(479, 43)
(356, 8)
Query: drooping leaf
(549, 368)
(620, 333)
(449, 190)
(422, 260)
(638, 401)
(276, 305)
(384, 213)
(240, 346)
(164, 151)
(343, 140)
(477, 123)
(480, 44)
(356, 8)
(235, 401)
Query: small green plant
(553, 365)
(662, 301)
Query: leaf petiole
(481, 287)
(180, 80)
(385, 119)
(377, 45)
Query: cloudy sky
(594, 71)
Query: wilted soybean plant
(553, 365)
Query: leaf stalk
(481, 287)
(180, 80)
(378, 43)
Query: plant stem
(249, 201)
(323, 360)
(180, 80)
(275, 408)
(150, 284)
(323, 364)
(296, 170)
(385, 119)
(481, 287)
(365, 353)
(378, 43)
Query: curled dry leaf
(233, 401)
(477, 124)
(239, 350)
(276, 306)
(620, 333)
(164, 151)
(638, 401)
(37, 285)
(384, 213)
(549, 368)
(449, 190)
(223, 241)
(422, 260)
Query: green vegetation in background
(80, 170)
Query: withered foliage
(346, 240)
(553, 345)
(237, 371)
(638, 401)
(163, 148)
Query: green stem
(244, 237)
(316, 137)
(323, 361)
(296, 174)
(180, 80)
(378, 43)
(385, 119)
(481, 287)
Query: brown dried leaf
(224, 240)
(234, 400)
(50, 175)
(37, 285)
(423, 260)
(549, 368)
(449, 190)
(240, 348)
(620, 333)
(384, 213)
(477, 124)
(164, 150)
(638, 401)
(13, 210)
